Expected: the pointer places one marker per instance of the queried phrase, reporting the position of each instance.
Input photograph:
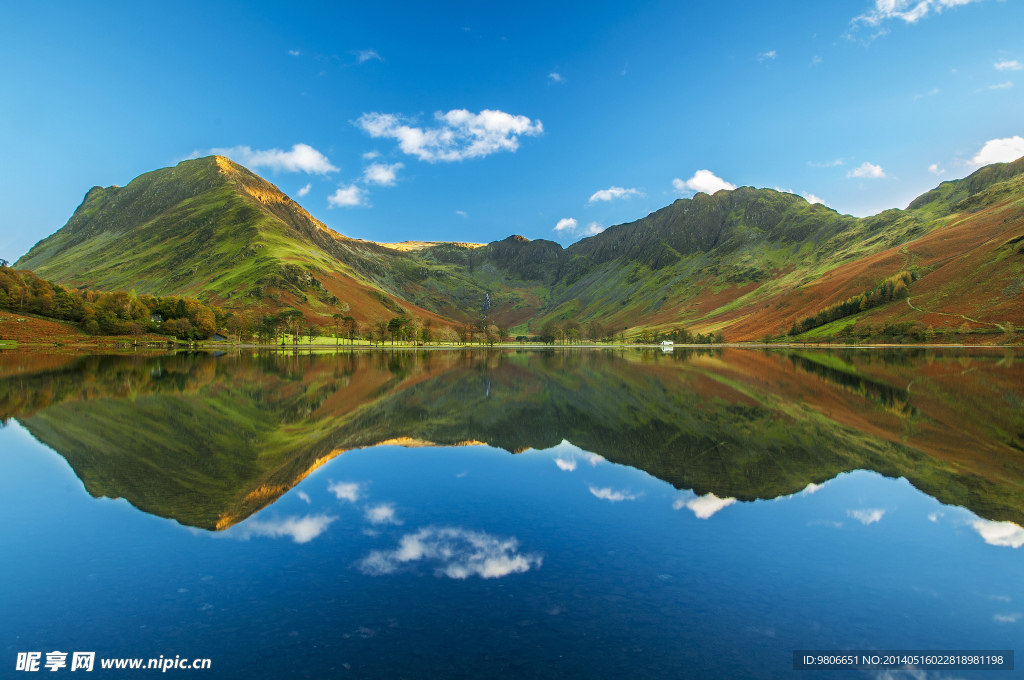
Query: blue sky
(475, 121)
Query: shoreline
(156, 348)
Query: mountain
(213, 229)
(747, 262)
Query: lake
(569, 513)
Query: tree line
(107, 313)
(895, 287)
(126, 313)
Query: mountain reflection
(209, 440)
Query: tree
(4, 263)
(396, 328)
(295, 323)
(351, 327)
(337, 318)
(549, 332)
(502, 331)
(573, 331)
(312, 332)
(379, 330)
(447, 335)
(412, 329)
(240, 326)
(595, 331)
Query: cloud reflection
(456, 553)
(300, 529)
(381, 514)
(568, 456)
(1006, 534)
(866, 516)
(346, 491)
(702, 506)
(609, 494)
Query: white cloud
(867, 171)
(766, 55)
(613, 192)
(826, 164)
(934, 516)
(300, 529)
(382, 174)
(1006, 534)
(866, 516)
(1006, 618)
(811, 198)
(1008, 65)
(566, 464)
(702, 180)
(294, 53)
(304, 496)
(304, 190)
(461, 213)
(346, 491)
(812, 488)
(456, 553)
(999, 151)
(935, 169)
(370, 155)
(910, 11)
(301, 158)
(363, 56)
(997, 86)
(609, 494)
(347, 197)
(383, 513)
(567, 224)
(702, 506)
(556, 77)
(815, 60)
(459, 134)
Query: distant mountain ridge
(747, 262)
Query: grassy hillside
(748, 263)
(212, 229)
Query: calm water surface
(511, 514)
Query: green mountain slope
(747, 262)
(213, 229)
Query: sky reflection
(455, 552)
